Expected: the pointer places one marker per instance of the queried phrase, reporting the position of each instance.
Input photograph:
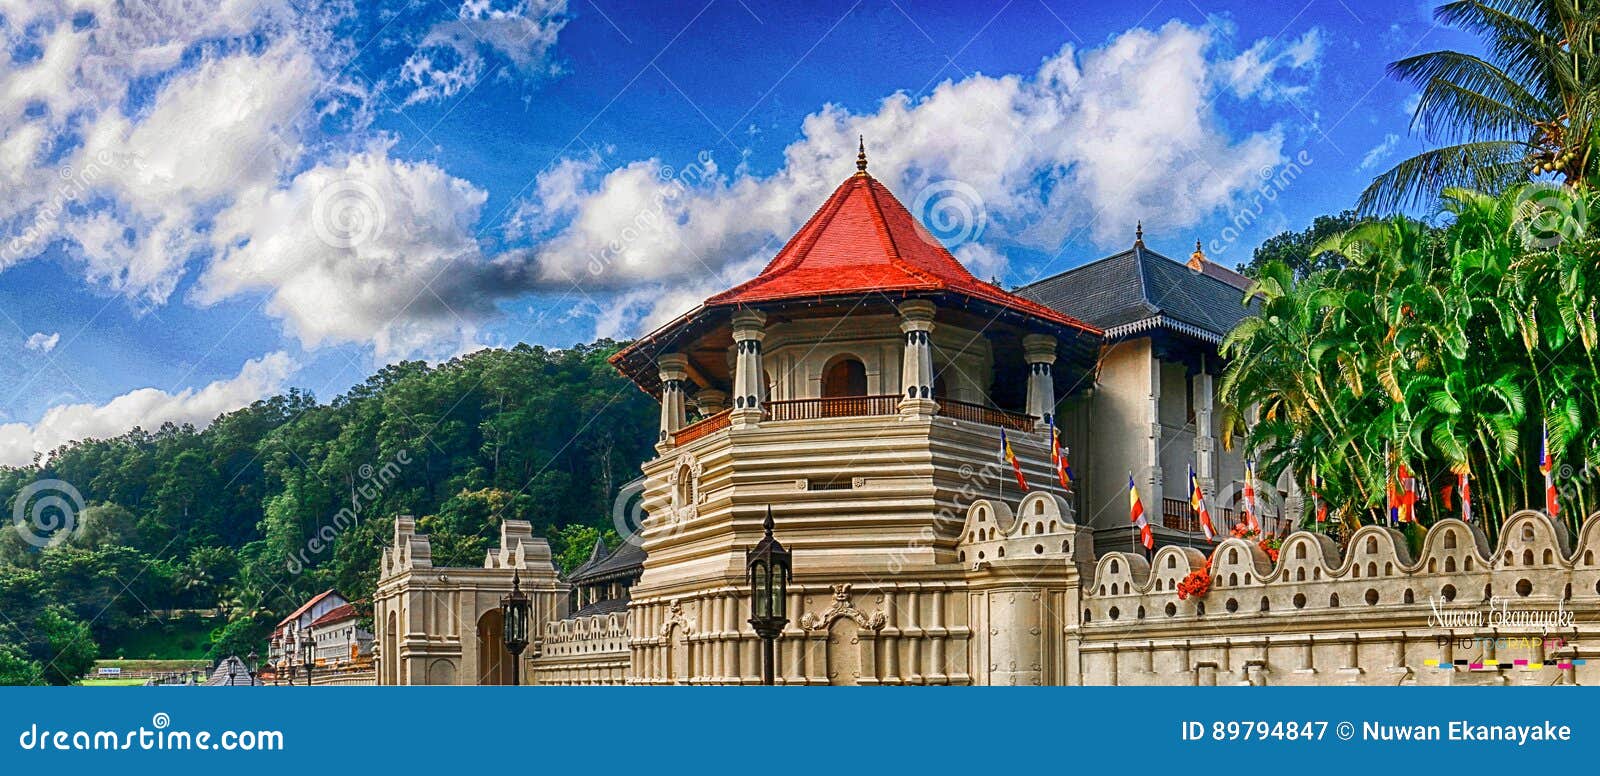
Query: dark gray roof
(626, 560)
(602, 607)
(1139, 289)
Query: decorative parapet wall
(1524, 612)
(1021, 572)
(584, 650)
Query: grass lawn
(111, 682)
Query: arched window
(845, 376)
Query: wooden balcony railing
(978, 413)
(855, 407)
(1179, 516)
(832, 407)
(709, 425)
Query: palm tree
(1527, 108)
(1448, 350)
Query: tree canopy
(280, 500)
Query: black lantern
(768, 567)
(514, 608)
(250, 667)
(308, 652)
(233, 669)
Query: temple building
(1153, 412)
(861, 388)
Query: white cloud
(1378, 153)
(126, 179)
(40, 342)
(454, 54)
(1256, 72)
(146, 408)
(367, 249)
(1093, 140)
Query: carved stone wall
(584, 650)
(1372, 615)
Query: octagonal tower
(859, 386)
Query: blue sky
(207, 203)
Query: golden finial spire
(1197, 260)
(861, 156)
(1138, 234)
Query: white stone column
(749, 376)
(1152, 455)
(673, 368)
(1040, 351)
(1205, 440)
(710, 401)
(916, 370)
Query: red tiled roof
(346, 612)
(863, 240)
(306, 607)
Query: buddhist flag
(1547, 464)
(1058, 457)
(1316, 495)
(1011, 458)
(1136, 515)
(1466, 496)
(1408, 495)
(1250, 497)
(1197, 501)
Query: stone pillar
(749, 376)
(916, 370)
(1205, 440)
(710, 401)
(1040, 351)
(674, 372)
(1152, 453)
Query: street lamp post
(308, 653)
(233, 669)
(768, 566)
(514, 608)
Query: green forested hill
(232, 517)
